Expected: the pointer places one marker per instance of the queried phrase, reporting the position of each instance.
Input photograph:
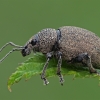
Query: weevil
(69, 43)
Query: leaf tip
(9, 89)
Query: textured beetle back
(77, 40)
(47, 38)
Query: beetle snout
(23, 52)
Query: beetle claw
(46, 82)
(61, 80)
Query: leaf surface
(34, 66)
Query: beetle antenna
(14, 49)
(12, 44)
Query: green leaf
(34, 66)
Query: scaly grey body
(72, 44)
(75, 41)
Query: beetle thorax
(47, 38)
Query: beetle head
(28, 47)
(26, 51)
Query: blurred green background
(19, 20)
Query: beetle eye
(33, 42)
(25, 47)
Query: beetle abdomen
(77, 40)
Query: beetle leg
(59, 54)
(85, 56)
(49, 55)
(89, 64)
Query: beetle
(70, 43)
